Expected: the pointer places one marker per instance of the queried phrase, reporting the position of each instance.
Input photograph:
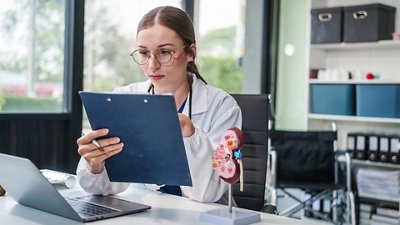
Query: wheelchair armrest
(273, 164)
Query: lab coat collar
(199, 95)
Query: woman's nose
(153, 62)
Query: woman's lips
(156, 77)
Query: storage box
(378, 100)
(368, 23)
(335, 99)
(326, 25)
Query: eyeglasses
(163, 56)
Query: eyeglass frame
(156, 52)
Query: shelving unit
(353, 118)
(384, 44)
(381, 57)
(373, 164)
(315, 81)
(293, 108)
(377, 57)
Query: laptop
(27, 186)
(148, 126)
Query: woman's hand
(2, 191)
(186, 125)
(95, 156)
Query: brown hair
(178, 21)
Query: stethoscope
(190, 80)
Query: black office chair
(255, 151)
(306, 160)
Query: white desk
(166, 209)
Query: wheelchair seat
(306, 160)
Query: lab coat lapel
(199, 95)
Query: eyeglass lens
(142, 57)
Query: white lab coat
(213, 112)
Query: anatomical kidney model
(227, 159)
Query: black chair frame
(255, 151)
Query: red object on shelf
(370, 76)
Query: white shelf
(353, 118)
(386, 44)
(379, 198)
(316, 81)
(373, 164)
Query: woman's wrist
(95, 169)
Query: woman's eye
(143, 53)
(165, 52)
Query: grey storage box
(326, 25)
(366, 23)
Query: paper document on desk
(59, 178)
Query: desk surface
(166, 209)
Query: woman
(166, 52)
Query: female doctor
(166, 52)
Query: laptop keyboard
(88, 209)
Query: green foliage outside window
(2, 100)
(222, 72)
(28, 104)
(33, 69)
(218, 63)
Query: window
(110, 32)
(221, 42)
(32, 56)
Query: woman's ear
(192, 53)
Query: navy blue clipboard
(148, 126)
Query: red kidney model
(227, 159)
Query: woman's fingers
(92, 135)
(187, 127)
(96, 152)
(107, 142)
(106, 150)
(96, 159)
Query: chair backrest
(305, 159)
(255, 151)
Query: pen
(93, 141)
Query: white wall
(291, 97)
